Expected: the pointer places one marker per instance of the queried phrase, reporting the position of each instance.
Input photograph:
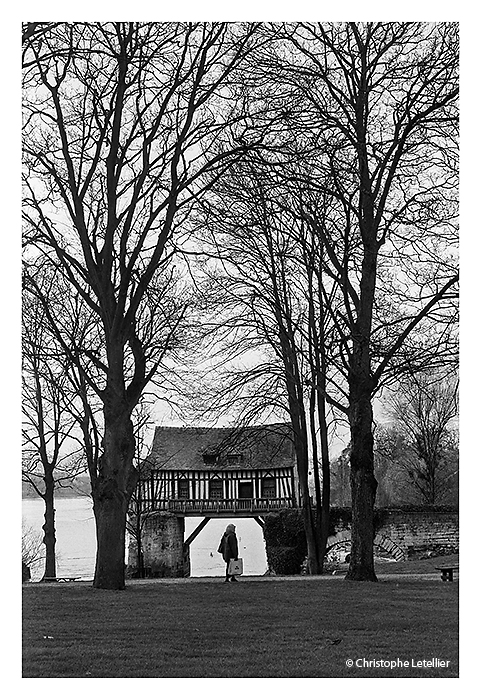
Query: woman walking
(229, 549)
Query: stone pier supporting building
(164, 552)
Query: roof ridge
(187, 427)
(231, 427)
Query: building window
(209, 459)
(183, 489)
(246, 489)
(216, 489)
(268, 487)
(234, 459)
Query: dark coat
(229, 547)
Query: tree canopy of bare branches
(335, 145)
(125, 125)
(424, 411)
(364, 163)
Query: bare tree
(379, 120)
(367, 144)
(32, 550)
(424, 409)
(137, 514)
(47, 461)
(126, 124)
(264, 305)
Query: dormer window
(234, 459)
(210, 459)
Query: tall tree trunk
(313, 564)
(302, 451)
(315, 463)
(361, 387)
(302, 459)
(323, 491)
(363, 491)
(135, 520)
(298, 418)
(140, 557)
(111, 492)
(318, 344)
(326, 479)
(361, 384)
(48, 527)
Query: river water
(76, 541)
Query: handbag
(236, 567)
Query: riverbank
(76, 540)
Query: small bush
(340, 518)
(285, 540)
(32, 552)
(26, 576)
(286, 561)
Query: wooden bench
(447, 572)
(58, 579)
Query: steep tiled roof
(260, 447)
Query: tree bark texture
(111, 492)
(298, 419)
(361, 386)
(48, 527)
(313, 564)
(325, 505)
(363, 492)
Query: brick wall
(414, 530)
(420, 531)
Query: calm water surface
(76, 541)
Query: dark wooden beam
(194, 534)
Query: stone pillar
(163, 546)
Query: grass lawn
(255, 628)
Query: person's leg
(227, 577)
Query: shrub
(340, 518)
(285, 540)
(32, 547)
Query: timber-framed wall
(220, 470)
(209, 472)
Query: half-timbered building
(220, 471)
